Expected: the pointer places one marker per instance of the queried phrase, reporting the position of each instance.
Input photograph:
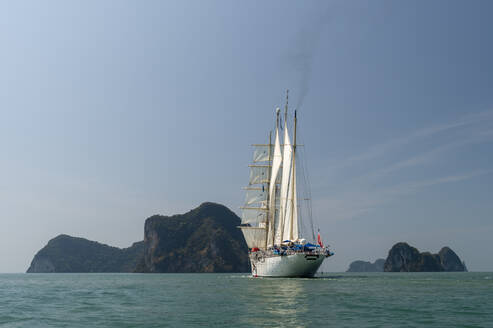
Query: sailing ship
(271, 220)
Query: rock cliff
(450, 261)
(205, 239)
(71, 254)
(405, 258)
(363, 266)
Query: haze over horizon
(113, 111)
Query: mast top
(286, 107)
(278, 111)
(287, 98)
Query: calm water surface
(227, 300)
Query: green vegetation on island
(71, 254)
(205, 239)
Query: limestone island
(205, 239)
(364, 266)
(404, 258)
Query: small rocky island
(364, 266)
(405, 258)
(206, 239)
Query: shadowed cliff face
(205, 239)
(404, 258)
(450, 261)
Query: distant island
(205, 239)
(363, 266)
(404, 258)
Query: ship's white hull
(293, 265)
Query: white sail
(262, 153)
(276, 164)
(259, 174)
(256, 196)
(253, 215)
(254, 236)
(283, 227)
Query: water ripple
(225, 300)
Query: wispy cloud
(427, 156)
(427, 183)
(398, 142)
(353, 203)
(358, 194)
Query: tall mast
(268, 196)
(293, 167)
(286, 109)
(282, 212)
(272, 211)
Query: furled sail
(276, 164)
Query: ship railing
(291, 251)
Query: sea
(239, 300)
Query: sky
(112, 111)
